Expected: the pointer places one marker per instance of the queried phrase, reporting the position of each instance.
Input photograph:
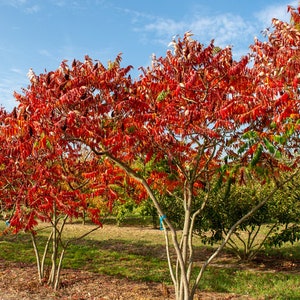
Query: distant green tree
(273, 224)
(287, 211)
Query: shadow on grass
(133, 260)
(116, 257)
(288, 251)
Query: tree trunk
(51, 279)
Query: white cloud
(17, 71)
(59, 3)
(45, 52)
(14, 3)
(225, 29)
(79, 5)
(32, 9)
(8, 85)
(23, 5)
(279, 11)
(164, 27)
(12, 81)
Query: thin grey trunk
(184, 280)
(37, 256)
(58, 272)
(54, 247)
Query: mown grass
(139, 254)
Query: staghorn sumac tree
(203, 116)
(46, 176)
(170, 116)
(41, 182)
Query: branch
(82, 236)
(73, 139)
(140, 179)
(169, 256)
(190, 241)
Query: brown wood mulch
(19, 281)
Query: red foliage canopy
(193, 111)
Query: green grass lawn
(138, 253)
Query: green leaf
(249, 135)
(216, 50)
(243, 148)
(256, 155)
(290, 131)
(269, 146)
(278, 154)
(35, 144)
(280, 139)
(162, 96)
(131, 129)
(48, 144)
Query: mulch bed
(18, 281)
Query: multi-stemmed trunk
(52, 277)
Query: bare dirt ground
(19, 281)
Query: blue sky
(40, 34)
